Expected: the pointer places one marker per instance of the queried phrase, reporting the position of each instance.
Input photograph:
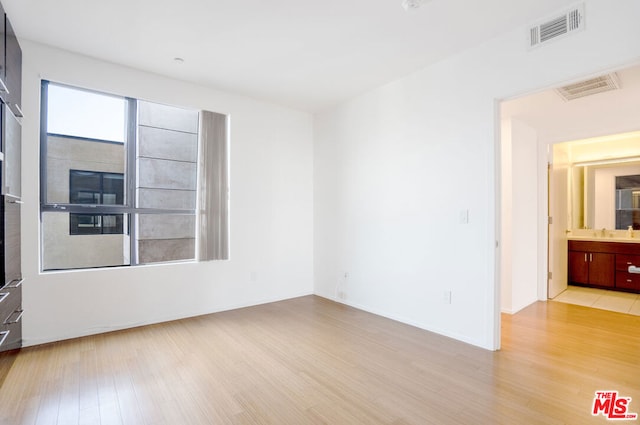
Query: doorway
(532, 246)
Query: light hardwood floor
(311, 361)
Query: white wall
(519, 256)
(395, 166)
(506, 217)
(271, 244)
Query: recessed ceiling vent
(561, 25)
(587, 88)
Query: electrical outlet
(342, 281)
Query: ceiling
(557, 120)
(308, 55)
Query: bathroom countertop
(604, 239)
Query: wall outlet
(446, 297)
(341, 292)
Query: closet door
(12, 257)
(12, 147)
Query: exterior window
(95, 224)
(95, 187)
(119, 181)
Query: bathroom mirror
(628, 202)
(605, 195)
(601, 178)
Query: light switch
(464, 216)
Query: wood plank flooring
(311, 361)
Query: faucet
(604, 232)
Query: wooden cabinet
(13, 55)
(11, 316)
(3, 61)
(11, 147)
(11, 244)
(10, 274)
(10, 162)
(592, 268)
(625, 279)
(604, 264)
(601, 269)
(10, 66)
(578, 267)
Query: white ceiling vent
(588, 87)
(561, 25)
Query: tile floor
(621, 302)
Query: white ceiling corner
(305, 55)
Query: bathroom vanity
(609, 264)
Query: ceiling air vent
(588, 87)
(561, 25)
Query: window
(95, 224)
(95, 187)
(127, 182)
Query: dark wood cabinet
(601, 269)
(578, 267)
(624, 278)
(12, 246)
(592, 268)
(11, 276)
(3, 63)
(10, 200)
(13, 80)
(11, 316)
(12, 147)
(604, 264)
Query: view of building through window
(118, 182)
(95, 187)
